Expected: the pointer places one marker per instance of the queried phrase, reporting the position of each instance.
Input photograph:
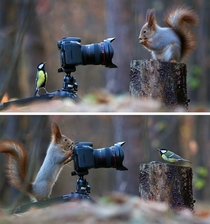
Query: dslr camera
(85, 157)
(72, 53)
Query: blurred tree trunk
(203, 155)
(202, 52)
(34, 50)
(131, 130)
(120, 25)
(205, 152)
(14, 18)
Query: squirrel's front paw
(69, 157)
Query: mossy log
(162, 81)
(167, 183)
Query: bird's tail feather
(185, 160)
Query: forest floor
(113, 209)
(99, 101)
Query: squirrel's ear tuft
(56, 132)
(150, 17)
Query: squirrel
(172, 43)
(59, 153)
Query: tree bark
(163, 81)
(167, 183)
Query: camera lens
(98, 54)
(109, 157)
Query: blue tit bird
(41, 78)
(171, 156)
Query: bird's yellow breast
(41, 79)
(171, 160)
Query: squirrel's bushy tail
(179, 19)
(16, 164)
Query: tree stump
(163, 81)
(167, 183)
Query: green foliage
(200, 183)
(194, 78)
(202, 171)
(200, 176)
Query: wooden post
(163, 81)
(168, 183)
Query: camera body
(72, 53)
(85, 157)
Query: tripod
(70, 86)
(82, 193)
(82, 187)
(69, 90)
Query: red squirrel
(59, 153)
(172, 43)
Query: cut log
(167, 183)
(162, 81)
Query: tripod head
(82, 187)
(69, 82)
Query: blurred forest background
(29, 31)
(188, 136)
